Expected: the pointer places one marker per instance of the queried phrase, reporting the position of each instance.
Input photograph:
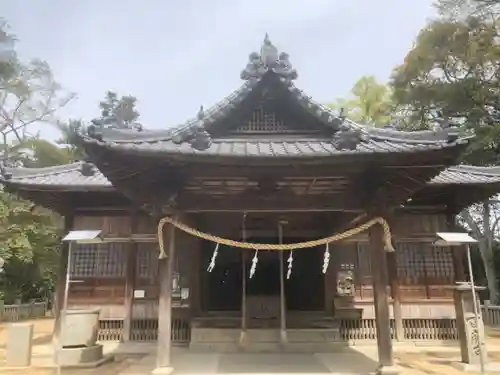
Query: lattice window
(263, 121)
(410, 262)
(98, 260)
(147, 261)
(440, 263)
(418, 262)
(83, 260)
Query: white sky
(177, 55)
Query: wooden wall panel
(109, 225)
(407, 225)
(416, 310)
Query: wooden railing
(491, 315)
(15, 313)
(413, 329)
(144, 330)
(349, 329)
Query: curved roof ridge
(42, 171)
(217, 111)
(328, 115)
(474, 169)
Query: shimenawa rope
(274, 247)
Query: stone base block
(91, 356)
(467, 367)
(388, 370)
(19, 341)
(163, 371)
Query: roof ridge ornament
(201, 139)
(269, 60)
(348, 137)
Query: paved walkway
(359, 360)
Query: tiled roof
(70, 177)
(278, 147)
(272, 72)
(61, 177)
(468, 174)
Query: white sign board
(453, 239)
(139, 293)
(83, 236)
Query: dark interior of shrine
(223, 286)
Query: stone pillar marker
(19, 343)
(471, 337)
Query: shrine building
(265, 165)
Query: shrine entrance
(222, 288)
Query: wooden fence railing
(144, 330)
(349, 330)
(413, 329)
(15, 313)
(491, 315)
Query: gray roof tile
(269, 148)
(70, 177)
(67, 177)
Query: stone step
(264, 340)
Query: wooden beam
(267, 203)
(130, 280)
(396, 295)
(165, 270)
(61, 276)
(381, 300)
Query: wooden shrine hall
(266, 165)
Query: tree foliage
(29, 243)
(120, 112)
(452, 75)
(29, 94)
(370, 103)
(29, 235)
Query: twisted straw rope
(275, 247)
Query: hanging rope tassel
(326, 258)
(255, 260)
(290, 262)
(211, 266)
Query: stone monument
(78, 345)
(470, 333)
(19, 345)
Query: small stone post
(19, 345)
(471, 336)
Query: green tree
(29, 94)
(462, 9)
(29, 235)
(118, 111)
(29, 242)
(452, 75)
(370, 103)
(70, 138)
(8, 58)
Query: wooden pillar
(243, 334)
(396, 295)
(381, 301)
(165, 270)
(129, 290)
(130, 269)
(61, 277)
(283, 333)
(457, 253)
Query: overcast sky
(177, 55)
